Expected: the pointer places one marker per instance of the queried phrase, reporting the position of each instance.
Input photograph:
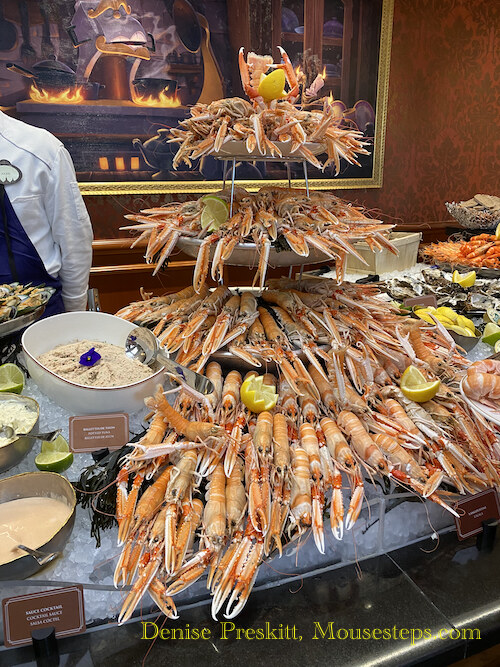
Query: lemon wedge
(256, 395)
(423, 314)
(215, 212)
(497, 231)
(467, 280)
(446, 312)
(463, 321)
(272, 86)
(415, 387)
(462, 331)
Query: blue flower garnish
(90, 357)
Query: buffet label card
(62, 607)
(474, 510)
(427, 300)
(92, 432)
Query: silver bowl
(467, 342)
(21, 322)
(246, 254)
(15, 451)
(35, 485)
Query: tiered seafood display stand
(391, 514)
(383, 524)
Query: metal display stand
(262, 158)
(258, 158)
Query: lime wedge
(54, 456)
(215, 212)
(491, 333)
(54, 461)
(60, 444)
(11, 378)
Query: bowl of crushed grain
(78, 360)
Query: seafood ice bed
(480, 351)
(383, 525)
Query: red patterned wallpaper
(443, 121)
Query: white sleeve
(71, 230)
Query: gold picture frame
(372, 28)
(376, 180)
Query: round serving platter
(246, 254)
(481, 272)
(18, 323)
(488, 413)
(235, 149)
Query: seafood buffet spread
(249, 484)
(482, 251)
(213, 487)
(232, 487)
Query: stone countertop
(421, 590)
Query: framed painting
(111, 77)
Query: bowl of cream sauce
(37, 509)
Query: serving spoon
(142, 344)
(41, 557)
(8, 432)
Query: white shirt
(49, 205)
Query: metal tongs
(142, 344)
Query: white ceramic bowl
(46, 334)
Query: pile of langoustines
(230, 486)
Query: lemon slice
(423, 314)
(446, 312)
(54, 456)
(215, 212)
(497, 231)
(466, 280)
(11, 378)
(491, 333)
(463, 321)
(415, 387)
(497, 346)
(462, 331)
(445, 321)
(272, 86)
(256, 395)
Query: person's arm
(71, 230)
